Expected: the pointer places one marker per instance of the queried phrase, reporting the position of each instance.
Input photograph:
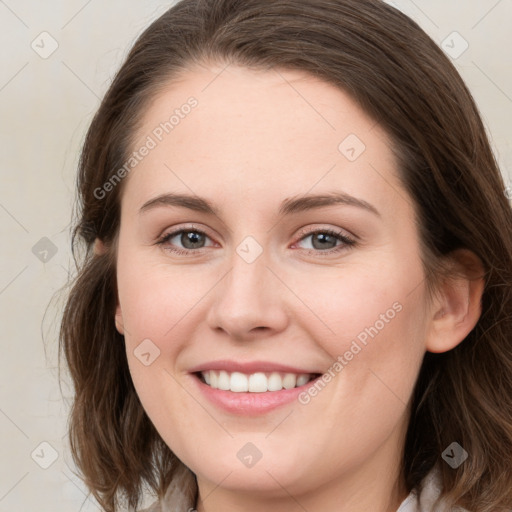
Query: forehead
(221, 130)
(260, 102)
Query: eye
(190, 239)
(327, 241)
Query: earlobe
(99, 247)
(119, 320)
(457, 307)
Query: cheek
(376, 325)
(162, 306)
(365, 309)
(155, 299)
(372, 324)
(157, 303)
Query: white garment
(176, 500)
(424, 502)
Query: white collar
(431, 489)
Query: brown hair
(397, 75)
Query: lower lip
(250, 403)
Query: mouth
(251, 388)
(258, 382)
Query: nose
(249, 302)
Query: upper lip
(247, 367)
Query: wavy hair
(399, 77)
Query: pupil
(323, 237)
(189, 239)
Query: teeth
(256, 382)
(223, 381)
(239, 383)
(302, 379)
(289, 381)
(214, 379)
(275, 382)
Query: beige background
(46, 105)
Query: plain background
(47, 102)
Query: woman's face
(288, 250)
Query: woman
(297, 290)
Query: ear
(119, 320)
(457, 306)
(99, 247)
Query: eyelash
(347, 241)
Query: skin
(255, 139)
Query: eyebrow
(288, 206)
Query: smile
(259, 382)
(251, 388)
